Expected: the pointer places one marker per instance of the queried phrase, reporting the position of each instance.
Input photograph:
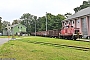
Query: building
(14, 29)
(80, 20)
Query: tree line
(85, 4)
(53, 22)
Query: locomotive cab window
(72, 26)
(65, 23)
(67, 26)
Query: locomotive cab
(69, 32)
(77, 33)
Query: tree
(16, 22)
(41, 23)
(59, 18)
(34, 24)
(0, 24)
(89, 1)
(5, 24)
(67, 15)
(53, 22)
(85, 4)
(28, 21)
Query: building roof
(80, 13)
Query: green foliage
(0, 24)
(15, 22)
(84, 5)
(28, 20)
(57, 41)
(67, 15)
(53, 22)
(5, 24)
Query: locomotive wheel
(72, 37)
(75, 38)
(67, 37)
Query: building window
(18, 26)
(78, 21)
(21, 27)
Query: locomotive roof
(80, 13)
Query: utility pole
(46, 21)
(89, 1)
(35, 27)
(0, 24)
(35, 18)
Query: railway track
(61, 45)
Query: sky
(14, 9)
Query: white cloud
(13, 9)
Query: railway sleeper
(47, 43)
(62, 45)
(37, 42)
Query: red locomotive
(69, 32)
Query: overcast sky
(13, 9)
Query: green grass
(3, 36)
(9, 36)
(58, 41)
(22, 50)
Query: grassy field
(3, 36)
(22, 49)
(9, 36)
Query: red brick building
(80, 20)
